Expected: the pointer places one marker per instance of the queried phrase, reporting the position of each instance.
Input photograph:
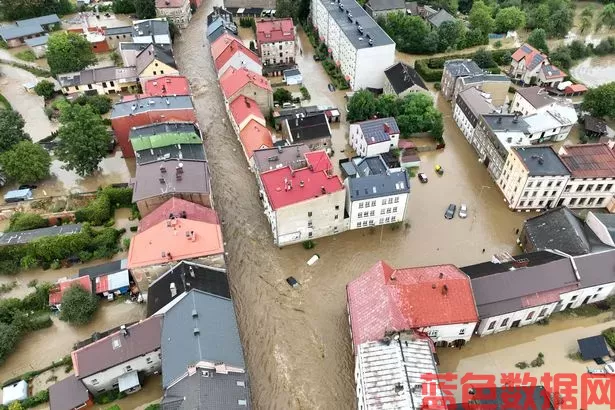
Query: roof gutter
(572, 262)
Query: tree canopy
(23, 9)
(23, 221)
(508, 19)
(9, 336)
(607, 17)
(480, 18)
(282, 95)
(538, 39)
(361, 106)
(600, 101)
(484, 58)
(45, 89)
(78, 306)
(84, 139)
(450, 35)
(554, 16)
(68, 52)
(123, 6)
(410, 33)
(11, 129)
(145, 9)
(26, 162)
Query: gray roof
(381, 5)
(42, 20)
(462, 68)
(13, 238)
(68, 393)
(37, 41)
(359, 18)
(193, 152)
(481, 78)
(374, 130)
(506, 122)
(267, 159)
(163, 128)
(195, 179)
(536, 96)
(441, 17)
(596, 268)
(122, 109)
(97, 75)
(154, 52)
(558, 228)
(313, 126)
(217, 339)
(507, 287)
(378, 185)
(402, 76)
(541, 161)
(476, 101)
(104, 269)
(11, 32)
(112, 31)
(153, 27)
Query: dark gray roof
(154, 52)
(97, 75)
(37, 41)
(596, 268)
(186, 276)
(163, 128)
(374, 130)
(285, 113)
(359, 18)
(462, 68)
(104, 269)
(219, 12)
(218, 27)
(267, 159)
(441, 17)
(402, 76)
(67, 394)
(188, 152)
(381, 5)
(122, 109)
(217, 339)
(476, 101)
(113, 31)
(378, 185)
(11, 32)
(506, 122)
(541, 161)
(13, 238)
(594, 124)
(313, 126)
(506, 287)
(480, 78)
(147, 184)
(558, 228)
(42, 20)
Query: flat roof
(160, 178)
(125, 108)
(14, 238)
(541, 161)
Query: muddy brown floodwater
(595, 71)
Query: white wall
(505, 321)
(593, 294)
(370, 65)
(450, 333)
(520, 104)
(238, 60)
(463, 123)
(271, 52)
(377, 211)
(359, 144)
(588, 192)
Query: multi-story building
(469, 105)
(103, 80)
(533, 178)
(305, 203)
(530, 66)
(166, 85)
(167, 140)
(401, 80)
(496, 85)
(275, 39)
(235, 82)
(312, 130)
(592, 175)
(254, 136)
(454, 69)
(244, 110)
(155, 61)
(375, 194)
(178, 11)
(278, 157)
(358, 45)
(152, 31)
(374, 137)
(227, 52)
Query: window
(574, 297)
(599, 289)
(553, 193)
(367, 204)
(371, 213)
(373, 203)
(540, 203)
(542, 312)
(462, 332)
(550, 184)
(530, 315)
(148, 360)
(589, 187)
(104, 84)
(582, 201)
(381, 220)
(310, 234)
(522, 203)
(580, 188)
(534, 193)
(89, 86)
(358, 224)
(388, 219)
(393, 218)
(491, 325)
(364, 223)
(360, 214)
(573, 201)
(382, 211)
(394, 209)
(337, 207)
(390, 201)
(559, 183)
(154, 72)
(128, 368)
(525, 194)
(94, 382)
(529, 184)
(599, 187)
(384, 202)
(396, 199)
(388, 210)
(111, 84)
(336, 216)
(609, 186)
(538, 184)
(504, 322)
(360, 205)
(161, 71)
(310, 214)
(371, 222)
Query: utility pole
(482, 188)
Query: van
(18, 195)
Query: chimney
(247, 102)
(163, 169)
(441, 275)
(173, 289)
(301, 183)
(323, 190)
(433, 285)
(124, 331)
(445, 290)
(516, 118)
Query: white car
(463, 211)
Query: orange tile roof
(175, 240)
(276, 30)
(230, 50)
(254, 136)
(167, 85)
(57, 291)
(242, 107)
(176, 206)
(234, 80)
(218, 46)
(589, 160)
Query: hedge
(119, 197)
(609, 335)
(39, 398)
(21, 221)
(96, 212)
(430, 69)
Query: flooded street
(297, 342)
(595, 71)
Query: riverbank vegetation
(430, 69)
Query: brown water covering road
(595, 71)
(297, 342)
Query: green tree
(282, 95)
(387, 105)
(16, 405)
(84, 140)
(101, 104)
(78, 306)
(123, 6)
(68, 52)
(484, 58)
(26, 162)
(9, 336)
(607, 17)
(600, 101)
(561, 58)
(538, 16)
(586, 24)
(23, 221)
(361, 106)
(11, 129)
(45, 89)
(538, 39)
(408, 32)
(561, 17)
(509, 19)
(145, 9)
(578, 50)
(287, 8)
(418, 114)
(450, 34)
(450, 5)
(480, 17)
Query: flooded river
(595, 71)
(297, 342)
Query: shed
(117, 282)
(292, 76)
(593, 347)
(14, 392)
(129, 382)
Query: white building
(178, 11)
(530, 66)
(552, 124)
(469, 105)
(361, 49)
(533, 178)
(374, 137)
(375, 194)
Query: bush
(101, 104)
(78, 306)
(305, 93)
(609, 335)
(437, 85)
(9, 337)
(45, 89)
(39, 398)
(26, 55)
(21, 221)
(282, 95)
(309, 244)
(119, 197)
(246, 22)
(108, 397)
(110, 223)
(96, 212)
(126, 243)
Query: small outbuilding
(293, 77)
(592, 348)
(15, 392)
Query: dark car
(316, 57)
(423, 177)
(27, 186)
(450, 211)
(331, 87)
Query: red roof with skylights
(167, 85)
(234, 80)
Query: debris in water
(313, 260)
(292, 282)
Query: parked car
(316, 57)
(27, 186)
(450, 211)
(463, 211)
(423, 178)
(331, 87)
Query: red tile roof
(273, 31)
(57, 291)
(575, 88)
(532, 56)
(318, 161)
(254, 136)
(177, 206)
(242, 107)
(384, 299)
(589, 160)
(314, 182)
(218, 46)
(234, 80)
(230, 50)
(167, 85)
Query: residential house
(219, 27)
(533, 178)
(150, 31)
(166, 85)
(312, 130)
(358, 45)
(254, 136)
(23, 237)
(15, 35)
(373, 137)
(180, 141)
(129, 114)
(220, 12)
(155, 250)
(56, 292)
(530, 100)
(436, 301)
(597, 128)
(530, 66)
(116, 35)
(203, 365)
(48, 22)
(440, 17)
(574, 89)
(177, 11)
(235, 82)
(38, 45)
(401, 80)
(470, 105)
(454, 69)
(69, 394)
(102, 80)
(375, 194)
(537, 397)
(275, 41)
(236, 55)
(520, 292)
(244, 110)
(496, 85)
(292, 77)
(156, 182)
(121, 359)
(305, 203)
(155, 61)
(280, 115)
(380, 8)
(592, 175)
(109, 279)
(266, 159)
(182, 278)
(178, 208)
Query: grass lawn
(26, 55)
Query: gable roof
(275, 30)
(462, 68)
(550, 72)
(312, 126)
(57, 291)
(382, 5)
(230, 50)
(103, 269)
(220, 27)
(594, 124)
(255, 136)
(375, 186)
(385, 299)
(42, 20)
(221, 43)
(167, 85)
(154, 52)
(234, 80)
(37, 41)
(532, 56)
(378, 130)
(596, 268)
(97, 75)
(589, 160)
(441, 17)
(402, 76)
(147, 182)
(117, 348)
(242, 107)
(536, 96)
(12, 32)
(558, 228)
(178, 208)
(68, 393)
